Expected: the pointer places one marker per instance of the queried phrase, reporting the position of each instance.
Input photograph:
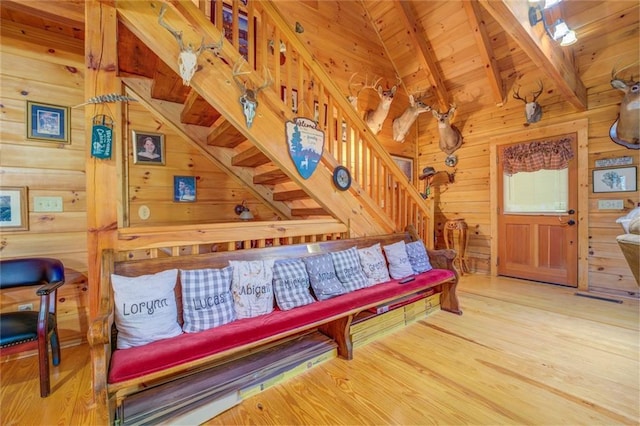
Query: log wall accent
(46, 169)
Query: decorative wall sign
(13, 208)
(306, 144)
(102, 137)
(47, 122)
(148, 148)
(619, 161)
(184, 189)
(622, 179)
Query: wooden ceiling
(474, 52)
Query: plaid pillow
(348, 269)
(291, 284)
(252, 287)
(399, 265)
(418, 257)
(374, 264)
(322, 276)
(206, 298)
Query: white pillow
(374, 264)
(252, 287)
(206, 298)
(146, 308)
(399, 265)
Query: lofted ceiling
(472, 52)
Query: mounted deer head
(626, 129)
(249, 97)
(353, 97)
(450, 136)
(375, 118)
(188, 57)
(402, 124)
(532, 110)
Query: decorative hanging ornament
(110, 97)
(102, 137)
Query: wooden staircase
(208, 114)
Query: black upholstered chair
(26, 330)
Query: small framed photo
(406, 165)
(148, 148)
(48, 123)
(184, 189)
(13, 208)
(621, 179)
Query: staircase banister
(339, 99)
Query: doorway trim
(581, 129)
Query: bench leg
(339, 331)
(449, 299)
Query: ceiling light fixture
(559, 30)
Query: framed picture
(148, 148)
(184, 189)
(316, 113)
(243, 26)
(13, 208)
(294, 98)
(405, 164)
(48, 122)
(621, 179)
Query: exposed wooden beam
(425, 54)
(486, 51)
(554, 62)
(69, 12)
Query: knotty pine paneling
(607, 268)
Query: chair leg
(43, 361)
(55, 347)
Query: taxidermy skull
(188, 57)
(249, 97)
(532, 110)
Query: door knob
(571, 222)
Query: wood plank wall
(469, 196)
(46, 169)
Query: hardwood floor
(522, 353)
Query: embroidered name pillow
(399, 265)
(206, 298)
(145, 308)
(348, 269)
(252, 287)
(374, 264)
(291, 284)
(322, 275)
(418, 257)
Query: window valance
(552, 154)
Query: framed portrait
(405, 164)
(621, 179)
(316, 113)
(294, 98)
(184, 189)
(13, 208)
(148, 148)
(48, 123)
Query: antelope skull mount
(532, 110)
(625, 130)
(188, 57)
(403, 123)
(249, 97)
(450, 136)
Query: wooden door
(540, 246)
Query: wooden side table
(456, 237)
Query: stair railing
(261, 34)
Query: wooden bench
(332, 317)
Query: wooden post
(102, 195)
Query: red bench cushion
(131, 363)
